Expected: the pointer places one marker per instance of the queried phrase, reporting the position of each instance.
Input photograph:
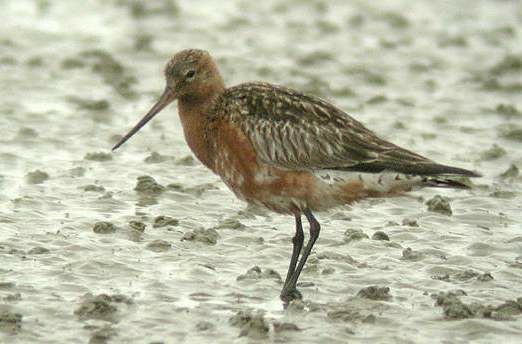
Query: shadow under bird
(290, 152)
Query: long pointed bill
(166, 98)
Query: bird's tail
(443, 176)
(439, 169)
(449, 182)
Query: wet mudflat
(145, 245)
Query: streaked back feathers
(295, 131)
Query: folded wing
(294, 131)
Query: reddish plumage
(290, 152)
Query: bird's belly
(375, 184)
(290, 191)
(286, 191)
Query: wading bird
(287, 151)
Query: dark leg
(297, 246)
(289, 288)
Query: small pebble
(206, 236)
(186, 161)
(285, 326)
(231, 224)
(137, 226)
(251, 323)
(99, 156)
(439, 204)
(354, 235)
(375, 293)
(466, 275)
(38, 250)
(511, 173)
(162, 221)
(409, 254)
(204, 326)
(103, 227)
(148, 185)
(255, 273)
(485, 277)
(94, 188)
(493, 153)
(27, 133)
(380, 235)
(96, 307)
(328, 271)
(452, 307)
(77, 171)
(155, 158)
(102, 335)
(10, 322)
(410, 222)
(159, 246)
(36, 177)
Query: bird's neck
(195, 116)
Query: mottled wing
(295, 131)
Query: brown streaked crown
(192, 74)
(184, 58)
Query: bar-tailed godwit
(290, 152)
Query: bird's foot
(290, 294)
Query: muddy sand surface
(147, 246)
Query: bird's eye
(190, 74)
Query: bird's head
(191, 76)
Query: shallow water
(85, 257)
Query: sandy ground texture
(147, 246)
